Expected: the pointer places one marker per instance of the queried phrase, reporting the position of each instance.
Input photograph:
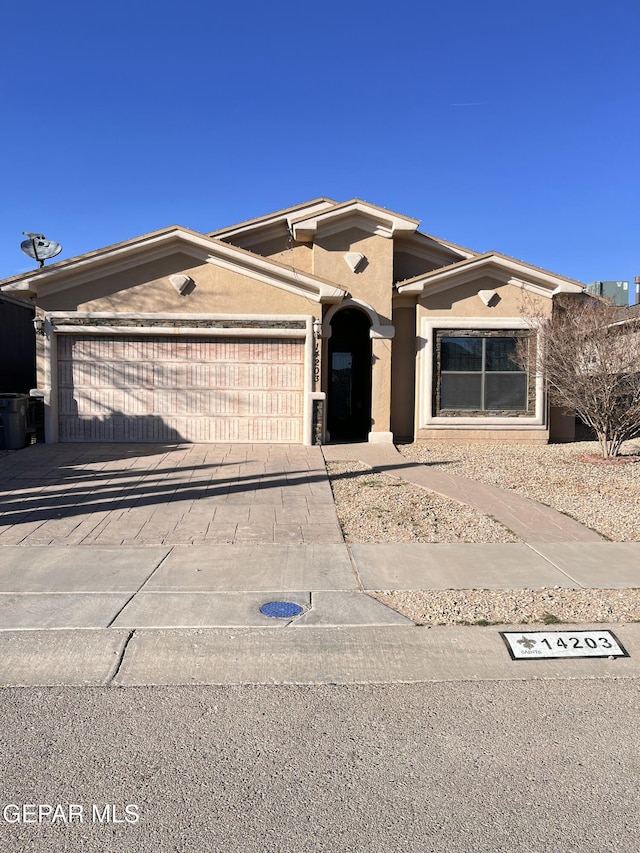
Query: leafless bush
(589, 356)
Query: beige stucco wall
(373, 284)
(463, 301)
(40, 361)
(381, 385)
(297, 255)
(403, 373)
(147, 289)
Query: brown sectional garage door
(193, 389)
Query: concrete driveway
(152, 494)
(111, 536)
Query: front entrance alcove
(349, 376)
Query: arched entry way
(349, 379)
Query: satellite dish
(39, 248)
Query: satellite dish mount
(39, 248)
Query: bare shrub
(589, 355)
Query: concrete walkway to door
(152, 494)
(528, 519)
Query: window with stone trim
(478, 373)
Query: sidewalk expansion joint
(140, 588)
(556, 567)
(354, 566)
(305, 610)
(154, 570)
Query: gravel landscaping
(568, 477)
(375, 507)
(604, 497)
(380, 508)
(514, 606)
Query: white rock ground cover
(375, 507)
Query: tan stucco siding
(462, 308)
(381, 385)
(147, 289)
(463, 301)
(403, 372)
(298, 256)
(40, 362)
(373, 283)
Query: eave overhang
(508, 270)
(160, 244)
(264, 226)
(382, 222)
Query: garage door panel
(169, 376)
(274, 376)
(271, 430)
(274, 404)
(180, 389)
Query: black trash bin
(13, 421)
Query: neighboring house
(17, 345)
(324, 321)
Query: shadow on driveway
(142, 494)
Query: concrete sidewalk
(191, 614)
(220, 586)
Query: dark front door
(349, 404)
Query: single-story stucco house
(322, 322)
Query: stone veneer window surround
(476, 374)
(429, 417)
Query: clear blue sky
(508, 126)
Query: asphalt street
(519, 766)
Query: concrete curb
(307, 655)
